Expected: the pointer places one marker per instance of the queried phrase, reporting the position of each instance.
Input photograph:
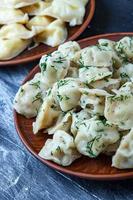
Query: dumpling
(94, 136)
(66, 93)
(109, 45)
(15, 31)
(37, 8)
(125, 72)
(54, 67)
(53, 35)
(69, 11)
(124, 48)
(94, 56)
(77, 119)
(47, 115)
(63, 123)
(123, 157)
(61, 149)
(107, 84)
(93, 100)
(9, 16)
(90, 74)
(69, 49)
(73, 72)
(10, 48)
(112, 148)
(30, 97)
(127, 88)
(16, 3)
(39, 22)
(119, 110)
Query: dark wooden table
(23, 177)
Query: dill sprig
(60, 60)
(36, 84)
(62, 83)
(124, 75)
(43, 65)
(119, 98)
(38, 97)
(90, 145)
(61, 98)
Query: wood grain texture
(37, 52)
(99, 168)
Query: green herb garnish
(90, 145)
(38, 97)
(22, 91)
(62, 83)
(119, 98)
(36, 84)
(60, 60)
(124, 75)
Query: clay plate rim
(33, 54)
(119, 176)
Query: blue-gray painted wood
(23, 177)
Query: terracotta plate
(100, 168)
(36, 53)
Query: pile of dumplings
(84, 98)
(26, 24)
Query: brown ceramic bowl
(36, 53)
(99, 168)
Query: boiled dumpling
(9, 16)
(94, 56)
(30, 97)
(73, 72)
(54, 34)
(63, 123)
(39, 22)
(93, 100)
(16, 3)
(69, 49)
(123, 158)
(37, 8)
(66, 93)
(10, 48)
(15, 31)
(89, 74)
(124, 48)
(119, 109)
(126, 72)
(112, 148)
(94, 136)
(127, 88)
(61, 149)
(47, 115)
(69, 11)
(54, 67)
(77, 119)
(109, 45)
(107, 84)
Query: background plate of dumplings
(99, 168)
(36, 52)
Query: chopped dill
(36, 84)
(90, 145)
(38, 97)
(62, 83)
